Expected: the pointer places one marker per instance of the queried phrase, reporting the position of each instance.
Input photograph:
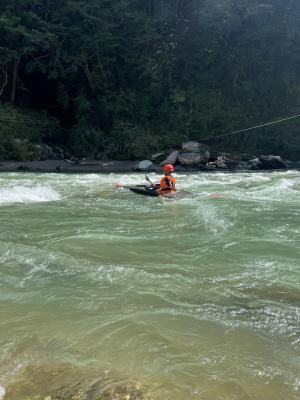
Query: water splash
(2, 392)
(28, 194)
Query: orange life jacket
(167, 184)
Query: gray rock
(194, 158)
(158, 157)
(191, 146)
(227, 162)
(246, 157)
(243, 165)
(221, 162)
(255, 164)
(272, 162)
(196, 147)
(210, 166)
(205, 156)
(171, 159)
(144, 165)
(267, 162)
(293, 164)
(190, 159)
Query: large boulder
(267, 162)
(171, 159)
(190, 159)
(191, 146)
(145, 165)
(272, 162)
(196, 147)
(193, 158)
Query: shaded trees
(125, 73)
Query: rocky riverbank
(198, 156)
(193, 156)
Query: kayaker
(167, 182)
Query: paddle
(154, 185)
(148, 179)
(120, 185)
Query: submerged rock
(66, 382)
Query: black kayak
(151, 192)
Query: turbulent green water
(195, 299)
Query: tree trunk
(178, 8)
(151, 8)
(89, 77)
(5, 79)
(14, 80)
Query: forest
(123, 79)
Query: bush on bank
(25, 134)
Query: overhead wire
(254, 127)
(49, 123)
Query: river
(197, 298)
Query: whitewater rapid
(194, 299)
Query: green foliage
(125, 141)
(22, 132)
(130, 77)
(88, 142)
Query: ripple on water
(195, 298)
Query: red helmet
(168, 168)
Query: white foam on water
(2, 392)
(27, 194)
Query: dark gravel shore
(67, 166)
(90, 166)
